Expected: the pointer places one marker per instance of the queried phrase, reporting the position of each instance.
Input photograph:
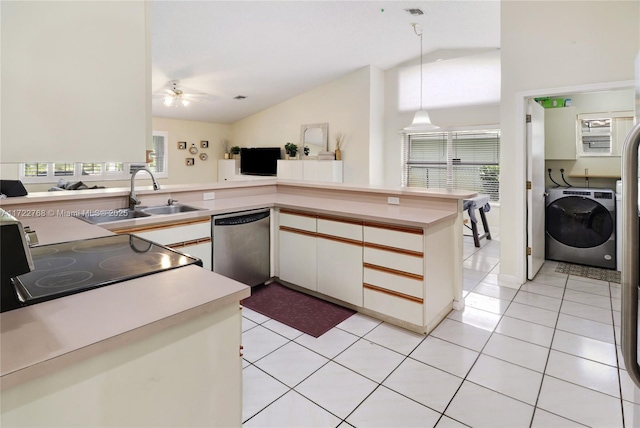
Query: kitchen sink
(169, 209)
(103, 216)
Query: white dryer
(580, 226)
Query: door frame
(521, 140)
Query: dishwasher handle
(238, 219)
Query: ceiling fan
(174, 96)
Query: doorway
(531, 213)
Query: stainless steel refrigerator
(630, 238)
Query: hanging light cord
(415, 30)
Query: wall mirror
(314, 136)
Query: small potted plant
(235, 151)
(291, 150)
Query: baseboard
(509, 281)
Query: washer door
(579, 222)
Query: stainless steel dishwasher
(241, 246)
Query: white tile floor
(547, 355)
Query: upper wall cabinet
(560, 133)
(76, 81)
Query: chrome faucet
(133, 200)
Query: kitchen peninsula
(124, 353)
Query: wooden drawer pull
(340, 239)
(393, 293)
(340, 219)
(298, 231)
(161, 226)
(394, 249)
(189, 243)
(394, 271)
(300, 213)
(413, 230)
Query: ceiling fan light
(421, 122)
(185, 102)
(168, 101)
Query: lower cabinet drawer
(298, 221)
(392, 260)
(178, 233)
(201, 251)
(394, 306)
(398, 283)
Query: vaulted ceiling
(270, 51)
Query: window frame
(104, 175)
(446, 163)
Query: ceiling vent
(415, 11)
(239, 97)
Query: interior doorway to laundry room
(569, 164)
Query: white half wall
(536, 55)
(76, 79)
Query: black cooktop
(71, 267)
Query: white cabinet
(192, 237)
(74, 88)
(297, 248)
(290, 169)
(560, 126)
(323, 170)
(384, 269)
(339, 268)
(228, 169)
(310, 170)
(394, 271)
(620, 127)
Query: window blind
(466, 160)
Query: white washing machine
(580, 226)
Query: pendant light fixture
(421, 120)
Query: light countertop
(40, 338)
(385, 213)
(36, 197)
(45, 337)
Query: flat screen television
(259, 160)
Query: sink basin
(103, 216)
(169, 209)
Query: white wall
(396, 118)
(178, 130)
(76, 80)
(192, 132)
(376, 128)
(600, 45)
(344, 103)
